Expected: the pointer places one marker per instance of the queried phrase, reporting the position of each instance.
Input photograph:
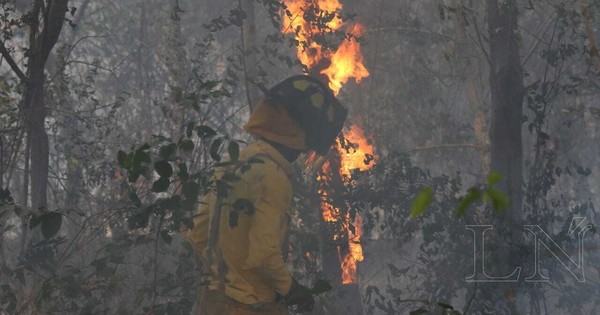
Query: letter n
(575, 268)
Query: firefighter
(247, 271)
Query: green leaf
(493, 178)
(208, 85)
(244, 205)
(234, 151)
(222, 188)
(190, 190)
(166, 151)
(171, 203)
(140, 219)
(34, 221)
(214, 149)
(134, 175)
(176, 93)
(51, 223)
(140, 157)
(189, 129)
(419, 311)
(122, 158)
(183, 171)
(246, 167)
(499, 199)
(189, 223)
(441, 12)
(421, 202)
(233, 218)
(321, 286)
(205, 132)
(163, 168)
(186, 145)
(160, 185)
(473, 195)
(164, 234)
(135, 199)
(4, 213)
(446, 306)
(255, 160)
(230, 177)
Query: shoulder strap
(213, 250)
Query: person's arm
(272, 199)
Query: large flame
(359, 155)
(297, 20)
(346, 61)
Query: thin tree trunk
(75, 180)
(248, 54)
(589, 31)
(468, 76)
(348, 300)
(32, 105)
(507, 92)
(175, 58)
(142, 61)
(24, 200)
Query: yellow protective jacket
(252, 250)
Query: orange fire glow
(346, 61)
(296, 21)
(355, 254)
(361, 156)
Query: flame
(355, 254)
(360, 156)
(346, 61)
(296, 20)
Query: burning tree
(309, 21)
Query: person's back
(251, 232)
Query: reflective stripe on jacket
(252, 249)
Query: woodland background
(114, 113)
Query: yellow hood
(273, 122)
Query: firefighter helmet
(314, 107)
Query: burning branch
(308, 20)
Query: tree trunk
(175, 58)
(507, 92)
(71, 127)
(348, 299)
(248, 54)
(468, 76)
(32, 104)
